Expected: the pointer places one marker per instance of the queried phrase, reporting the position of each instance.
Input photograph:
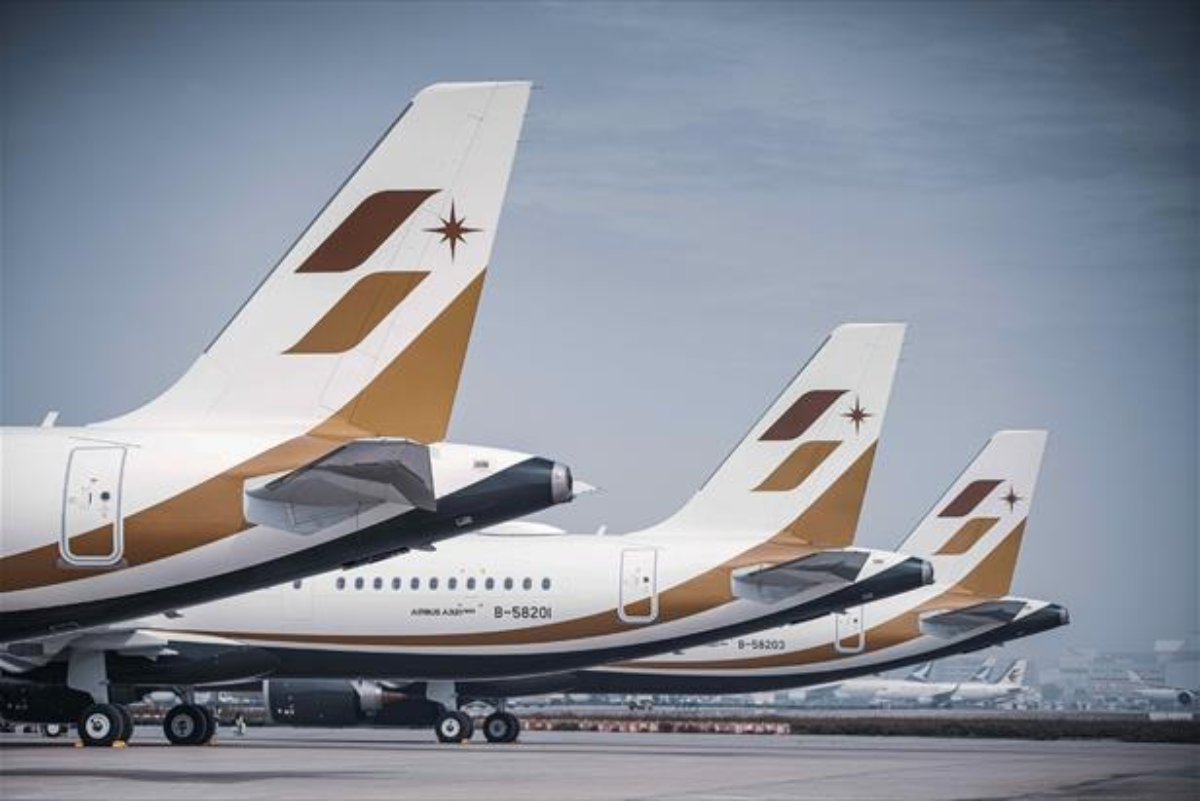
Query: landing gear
(102, 724)
(454, 727)
(126, 724)
(189, 724)
(501, 727)
(53, 729)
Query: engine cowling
(339, 703)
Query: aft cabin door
(639, 590)
(93, 533)
(850, 635)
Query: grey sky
(702, 193)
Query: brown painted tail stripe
(807, 409)
(364, 230)
(357, 313)
(799, 466)
(833, 518)
(968, 535)
(971, 496)
(993, 577)
(412, 397)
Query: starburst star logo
(857, 415)
(453, 230)
(1012, 498)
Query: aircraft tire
(501, 727)
(453, 727)
(186, 724)
(100, 725)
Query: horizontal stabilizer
(971, 619)
(775, 583)
(357, 476)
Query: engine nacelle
(41, 703)
(338, 703)
(1186, 698)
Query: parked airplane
(763, 542)
(1160, 694)
(972, 536)
(310, 433)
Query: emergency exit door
(93, 532)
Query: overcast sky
(702, 193)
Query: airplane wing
(775, 583)
(970, 619)
(357, 476)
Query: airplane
(764, 541)
(972, 536)
(310, 434)
(1159, 694)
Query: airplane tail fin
(973, 534)
(1015, 675)
(801, 473)
(362, 326)
(984, 670)
(921, 672)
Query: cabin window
(341, 583)
(545, 584)
(433, 582)
(451, 583)
(358, 583)
(471, 583)
(297, 584)
(527, 583)
(508, 584)
(415, 583)
(378, 583)
(397, 584)
(490, 584)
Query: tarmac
(366, 764)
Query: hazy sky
(702, 193)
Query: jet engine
(338, 703)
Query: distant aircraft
(1160, 694)
(916, 689)
(307, 436)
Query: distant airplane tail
(802, 471)
(973, 534)
(921, 673)
(984, 670)
(361, 329)
(1015, 675)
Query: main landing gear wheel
(189, 724)
(454, 727)
(501, 727)
(101, 724)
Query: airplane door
(639, 588)
(298, 599)
(92, 506)
(850, 635)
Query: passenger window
(378, 583)
(397, 584)
(490, 584)
(415, 584)
(451, 583)
(358, 583)
(545, 584)
(296, 584)
(471, 583)
(508, 584)
(433, 582)
(527, 583)
(341, 583)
